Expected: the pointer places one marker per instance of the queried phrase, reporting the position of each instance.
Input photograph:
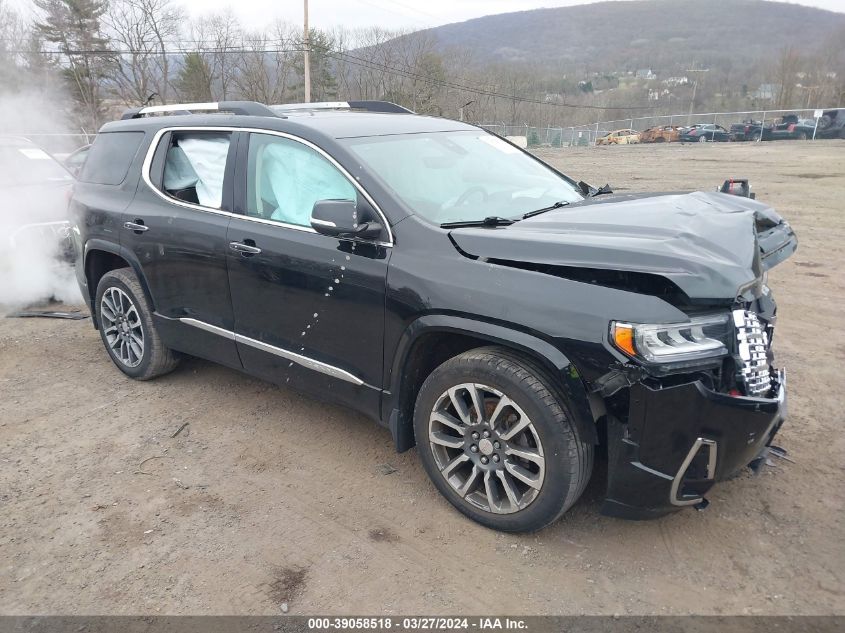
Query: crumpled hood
(711, 245)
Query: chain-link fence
(584, 135)
(564, 136)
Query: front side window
(195, 166)
(461, 176)
(285, 178)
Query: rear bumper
(681, 440)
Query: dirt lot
(267, 497)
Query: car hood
(711, 245)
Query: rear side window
(110, 157)
(195, 167)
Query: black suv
(502, 317)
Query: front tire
(500, 441)
(126, 327)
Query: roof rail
(245, 108)
(369, 106)
(380, 106)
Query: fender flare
(552, 359)
(96, 244)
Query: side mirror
(343, 218)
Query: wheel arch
(433, 339)
(101, 257)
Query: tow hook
(701, 506)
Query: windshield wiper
(492, 220)
(556, 205)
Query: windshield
(29, 165)
(462, 176)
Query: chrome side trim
(711, 470)
(299, 359)
(148, 160)
(209, 328)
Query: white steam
(34, 193)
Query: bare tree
(143, 30)
(218, 40)
(265, 68)
(788, 65)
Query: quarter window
(286, 178)
(110, 157)
(195, 167)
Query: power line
(471, 89)
(341, 56)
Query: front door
(308, 308)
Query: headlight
(701, 338)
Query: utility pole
(694, 89)
(307, 62)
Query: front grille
(752, 354)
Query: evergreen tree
(195, 79)
(74, 27)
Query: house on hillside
(646, 73)
(766, 92)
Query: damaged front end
(676, 434)
(687, 403)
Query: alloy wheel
(122, 327)
(486, 448)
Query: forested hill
(664, 34)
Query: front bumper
(679, 441)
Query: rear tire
(500, 441)
(126, 327)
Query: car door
(308, 308)
(176, 228)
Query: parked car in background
(788, 127)
(744, 131)
(34, 193)
(619, 137)
(704, 132)
(660, 134)
(76, 159)
(793, 128)
(832, 124)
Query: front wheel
(702, 139)
(500, 441)
(126, 327)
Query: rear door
(176, 227)
(308, 308)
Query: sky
(414, 14)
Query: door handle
(244, 249)
(137, 226)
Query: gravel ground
(267, 497)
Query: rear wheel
(126, 327)
(702, 138)
(659, 139)
(499, 441)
